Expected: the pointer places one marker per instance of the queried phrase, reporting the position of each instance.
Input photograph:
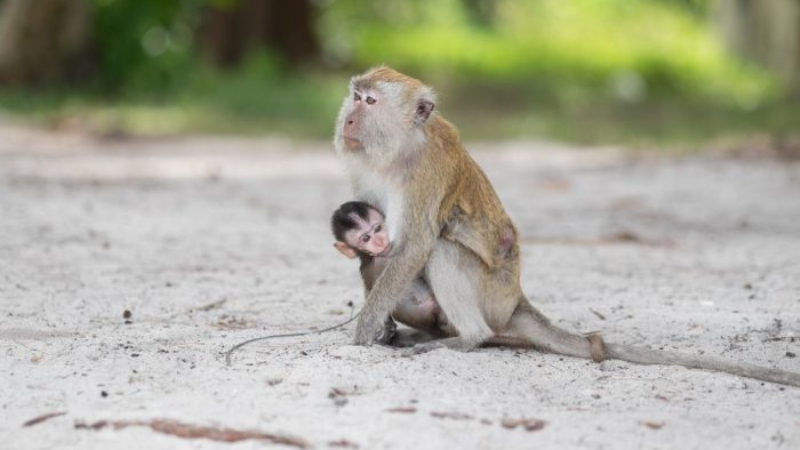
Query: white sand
(240, 226)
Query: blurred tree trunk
(767, 32)
(44, 40)
(480, 12)
(287, 27)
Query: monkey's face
(369, 236)
(382, 115)
(364, 113)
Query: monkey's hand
(368, 330)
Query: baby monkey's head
(359, 230)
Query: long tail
(641, 355)
(531, 325)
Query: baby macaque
(360, 232)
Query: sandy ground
(208, 242)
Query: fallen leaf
(653, 425)
(341, 392)
(342, 443)
(402, 409)
(186, 431)
(528, 424)
(451, 415)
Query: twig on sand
(600, 316)
(229, 353)
(42, 418)
(210, 306)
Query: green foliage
(624, 49)
(263, 94)
(144, 45)
(594, 71)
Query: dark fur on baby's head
(342, 222)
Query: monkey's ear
(424, 110)
(345, 249)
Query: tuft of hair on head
(387, 74)
(342, 220)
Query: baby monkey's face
(369, 236)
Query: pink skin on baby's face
(369, 236)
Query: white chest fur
(383, 192)
(395, 207)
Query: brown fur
(456, 231)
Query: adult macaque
(445, 221)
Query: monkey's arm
(406, 262)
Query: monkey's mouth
(352, 143)
(385, 252)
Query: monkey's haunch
(642, 355)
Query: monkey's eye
(365, 238)
(371, 100)
(378, 228)
(356, 97)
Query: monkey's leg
(454, 275)
(530, 324)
